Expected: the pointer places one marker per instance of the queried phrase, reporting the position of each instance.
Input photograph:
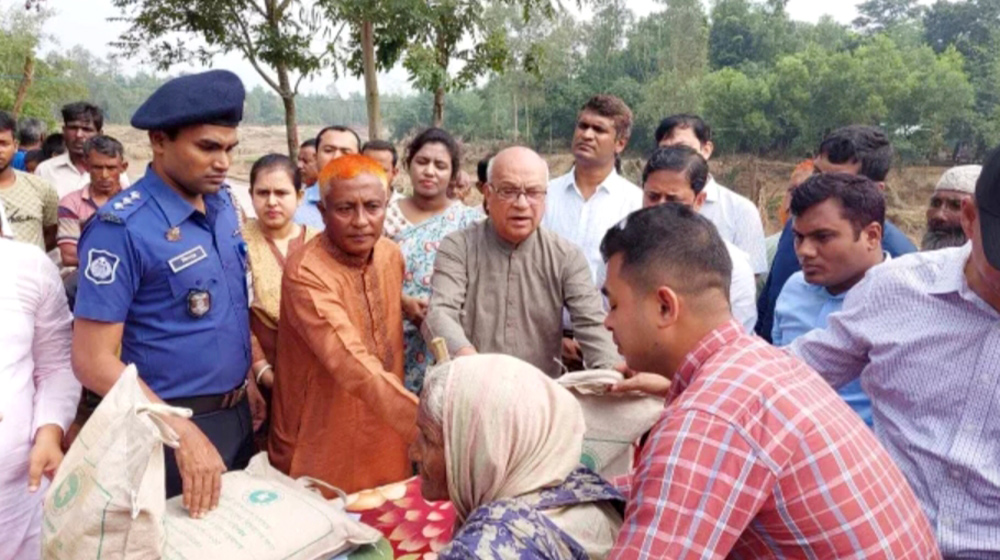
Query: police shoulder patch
(101, 266)
(118, 209)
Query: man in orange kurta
(340, 411)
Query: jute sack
(108, 496)
(265, 515)
(615, 421)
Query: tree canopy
(930, 76)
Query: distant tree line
(930, 76)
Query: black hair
(867, 145)
(682, 159)
(30, 131)
(339, 128)
(670, 240)
(483, 167)
(36, 156)
(83, 111)
(104, 145)
(53, 145)
(276, 161)
(382, 145)
(310, 143)
(8, 122)
(701, 130)
(614, 108)
(435, 136)
(860, 198)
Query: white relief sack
(265, 515)
(107, 499)
(615, 421)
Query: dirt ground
(761, 180)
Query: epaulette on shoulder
(118, 209)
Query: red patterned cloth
(756, 456)
(416, 529)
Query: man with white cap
(944, 224)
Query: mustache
(943, 238)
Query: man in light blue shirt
(837, 225)
(331, 143)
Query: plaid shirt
(756, 456)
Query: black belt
(211, 403)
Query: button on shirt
(308, 214)
(738, 222)
(60, 172)
(177, 279)
(756, 457)
(584, 222)
(927, 351)
(803, 307)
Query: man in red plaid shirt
(755, 456)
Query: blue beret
(213, 97)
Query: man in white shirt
(38, 392)
(735, 216)
(68, 171)
(678, 175)
(583, 204)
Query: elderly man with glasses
(500, 286)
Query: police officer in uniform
(163, 278)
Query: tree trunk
(439, 107)
(291, 129)
(22, 88)
(527, 123)
(288, 100)
(516, 131)
(371, 81)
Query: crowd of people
(828, 391)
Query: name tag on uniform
(187, 259)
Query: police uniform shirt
(177, 279)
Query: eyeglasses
(513, 193)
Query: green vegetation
(769, 85)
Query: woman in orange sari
(276, 189)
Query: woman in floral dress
(418, 223)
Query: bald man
(500, 286)
(340, 411)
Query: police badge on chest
(199, 303)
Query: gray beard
(942, 239)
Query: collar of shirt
(712, 192)
(610, 182)
(505, 246)
(350, 261)
(951, 279)
(175, 208)
(706, 348)
(63, 160)
(312, 193)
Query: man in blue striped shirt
(922, 333)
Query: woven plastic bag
(615, 421)
(107, 499)
(265, 515)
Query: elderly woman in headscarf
(503, 441)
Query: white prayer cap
(960, 179)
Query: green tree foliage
(52, 84)
(275, 36)
(766, 84)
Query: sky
(87, 23)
